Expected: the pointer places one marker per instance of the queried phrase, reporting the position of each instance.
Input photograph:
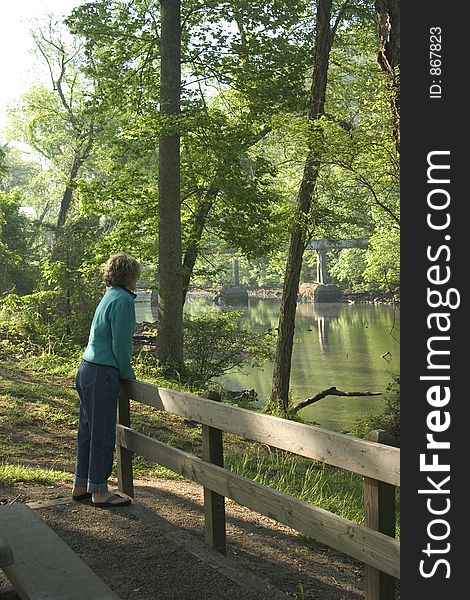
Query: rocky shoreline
(348, 296)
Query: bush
(389, 420)
(29, 318)
(58, 314)
(16, 253)
(214, 345)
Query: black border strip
(434, 305)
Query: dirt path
(155, 548)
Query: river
(353, 347)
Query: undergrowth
(38, 417)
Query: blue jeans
(98, 388)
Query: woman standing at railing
(106, 360)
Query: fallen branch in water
(332, 391)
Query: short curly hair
(121, 269)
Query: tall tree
(221, 159)
(63, 65)
(170, 294)
(388, 25)
(282, 364)
(234, 144)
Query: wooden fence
(373, 543)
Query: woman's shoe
(84, 496)
(115, 500)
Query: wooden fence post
(214, 504)
(379, 505)
(123, 455)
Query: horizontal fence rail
(369, 459)
(369, 546)
(379, 464)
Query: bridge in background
(238, 294)
(322, 247)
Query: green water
(336, 344)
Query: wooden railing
(374, 543)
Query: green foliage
(223, 167)
(265, 272)
(16, 171)
(348, 267)
(3, 168)
(389, 420)
(57, 316)
(16, 271)
(122, 197)
(40, 121)
(214, 344)
(383, 260)
(374, 269)
(148, 368)
(75, 277)
(31, 319)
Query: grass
(38, 418)
(332, 489)
(10, 474)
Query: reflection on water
(353, 347)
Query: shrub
(390, 417)
(214, 344)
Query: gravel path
(155, 550)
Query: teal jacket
(111, 332)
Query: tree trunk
(282, 367)
(170, 306)
(81, 154)
(65, 205)
(202, 211)
(388, 25)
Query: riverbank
(352, 297)
(38, 415)
(347, 296)
(39, 412)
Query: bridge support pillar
(322, 273)
(236, 272)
